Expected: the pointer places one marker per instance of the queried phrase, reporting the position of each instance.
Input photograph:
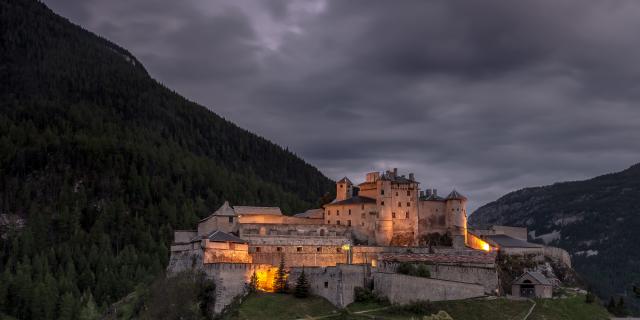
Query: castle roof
(311, 214)
(462, 257)
(352, 200)
(345, 180)
(397, 179)
(455, 195)
(224, 210)
(535, 276)
(505, 241)
(257, 210)
(219, 236)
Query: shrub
(302, 286)
(423, 271)
(363, 294)
(590, 298)
(405, 268)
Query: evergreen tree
(253, 283)
(67, 308)
(280, 280)
(302, 286)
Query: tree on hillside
(302, 286)
(280, 280)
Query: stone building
(532, 285)
(356, 240)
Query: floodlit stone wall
(335, 284)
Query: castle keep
(357, 240)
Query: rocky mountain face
(597, 221)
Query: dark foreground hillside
(596, 220)
(103, 162)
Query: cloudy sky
(484, 96)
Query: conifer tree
(253, 283)
(302, 286)
(280, 280)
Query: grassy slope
(275, 306)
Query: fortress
(357, 240)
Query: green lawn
(266, 306)
(569, 309)
(278, 306)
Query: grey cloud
(486, 97)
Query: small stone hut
(532, 285)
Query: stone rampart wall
(403, 289)
(335, 284)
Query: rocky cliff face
(596, 220)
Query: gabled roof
(345, 180)
(311, 214)
(219, 236)
(455, 195)
(224, 210)
(537, 277)
(257, 210)
(505, 241)
(352, 200)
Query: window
(362, 223)
(322, 230)
(349, 223)
(279, 249)
(319, 249)
(363, 207)
(230, 219)
(393, 214)
(362, 215)
(407, 215)
(326, 284)
(382, 203)
(399, 204)
(257, 249)
(338, 222)
(338, 249)
(408, 204)
(328, 222)
(328, 212)
(396, 193)
(382, 192)
(349, 211)
(337, 212)
(408, 192)
(299, 249)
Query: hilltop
(100, 163)
(596, 220)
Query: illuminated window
(279, 249)
(393, 214)
(299, 249)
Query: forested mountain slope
(596, 220)
(103, 162)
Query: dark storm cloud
(485, 96)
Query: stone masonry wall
(335, 284)
(403, 289)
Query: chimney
(395, 172)
(411, 176)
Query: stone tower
(456, 208)
(344, 189)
